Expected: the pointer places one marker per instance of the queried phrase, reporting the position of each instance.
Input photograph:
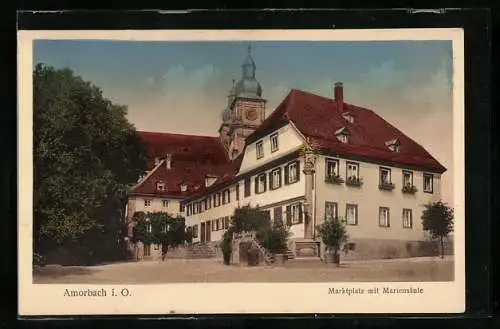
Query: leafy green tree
(86, 157)
(437, 219)
(158, 228)
(333, 233)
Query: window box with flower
(409, 189)
(386, 186)
(354, 181)
(334, 179)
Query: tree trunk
(442, 248)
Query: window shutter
(298, 170)
(289, 215)
(265, 182)
(271, 180)
(228, 196)
(256, 184)
(287, 170)
(279, 180)
(300, 213)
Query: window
(217, 224)
(195, 231)
(247, 187)
(274, 142)
(385, 176)
(164, 203)
(352, 170)
(224, 197)
(260, 149)
(160, 186)
(149, 227)
(383, 217)
(260, 183)
(205, 203)
(213, 224)
(394, 148)
(351, 214)
(183, 187)
(147, 250)
(237, 188)
(428, 183)
(331, 210)
(181, 207)
(407, 218)
(349, 118)
(228, 192)
(332, 168)
(209, 202)
(294, 214)
(407, 178)
(342, 138)
(218, 198)
(189, 210)
(292, 172)
(147, 203)
(278, 219)
(214, 200)
(275, 178)
(226, 222)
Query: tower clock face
(251, 114)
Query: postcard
(241, 171)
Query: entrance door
(202, 233)
(208, 230)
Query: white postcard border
(204, 298)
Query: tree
(252, 219)
(334, 235)
(158, 228)
(437, 219)
(86, 157)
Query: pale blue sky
(182, 86)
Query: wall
(136, 203)
(289, 140)
(369, 198)
(266, 200)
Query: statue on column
(309, 152)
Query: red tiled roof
(317, 118)
(193, 157)
(190, 148)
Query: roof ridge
(174, 134)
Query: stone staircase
(195, 251)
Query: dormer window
(157, 161)
(161, 186)
(183, 187)
(341, 135)
(393, 145)
(348, 117)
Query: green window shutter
(298, 170)
(289, 215)
(300, 213)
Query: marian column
(309, 162)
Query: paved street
(209, 270)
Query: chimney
(168, 161)
(339, 96)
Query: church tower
(246, 109)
